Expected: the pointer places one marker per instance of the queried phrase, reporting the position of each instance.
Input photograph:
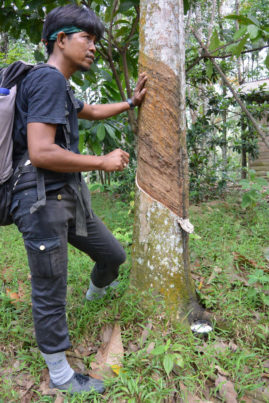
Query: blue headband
(68, 30)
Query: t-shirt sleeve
(46, 94)
(81, 105)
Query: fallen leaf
(110, 353)
(150, 347)
(220, 345)
(45, 390)
(201, 283)
(106, 333)
(13, 296)
(266, 364)
(116, 368)
(258, 395)
(256, 315)
(133, 347)
(233, 347)
(59, 399)
(215, 272)
(27, 398)
(145, 332)
(21, 290)
(226, 389)
(77, 364)
(243, 261)
(221, 371)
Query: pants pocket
(46, 257)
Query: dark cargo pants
(46, 233)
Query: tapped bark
(160, 243)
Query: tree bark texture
(160, 246)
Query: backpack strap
(41, 191)
(12, 74)
(24, 166)
(76, 181)
(40, 178)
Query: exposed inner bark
(160, 164)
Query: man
(50, 206)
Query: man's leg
(45, 238)
(104, 249)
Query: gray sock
(94, 292)
(59, 368)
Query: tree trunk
(160, 245)
(4, 41)
(224, 146)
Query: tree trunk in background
(160, 245)
(4, 43)
(239, 75)
(224, 135)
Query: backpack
(9, 78)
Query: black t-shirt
(41, 97)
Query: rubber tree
(161, 225)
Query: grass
(231, 274)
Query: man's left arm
(104, 111)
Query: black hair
(81, 17)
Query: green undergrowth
(163, 360)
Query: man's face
(80, 49)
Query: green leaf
(168, 344)
(254, 20)
(209, 69)
(125, 5)
(159, 350)
(214, 41)
(246, 201)
(179, 360)
(168, 363)
(96, 147)
(121, 32)
(238, 49)
(81, 142)
(111, 131)
(194, 236)
(265, 299)
(101, 132)
(240, 18)
(186, 6)
(240, 32)
(39, 56)
(253, 195)
(177, 347)
(96, 186)
(107, 76)
(252, 174)
(253, 31)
